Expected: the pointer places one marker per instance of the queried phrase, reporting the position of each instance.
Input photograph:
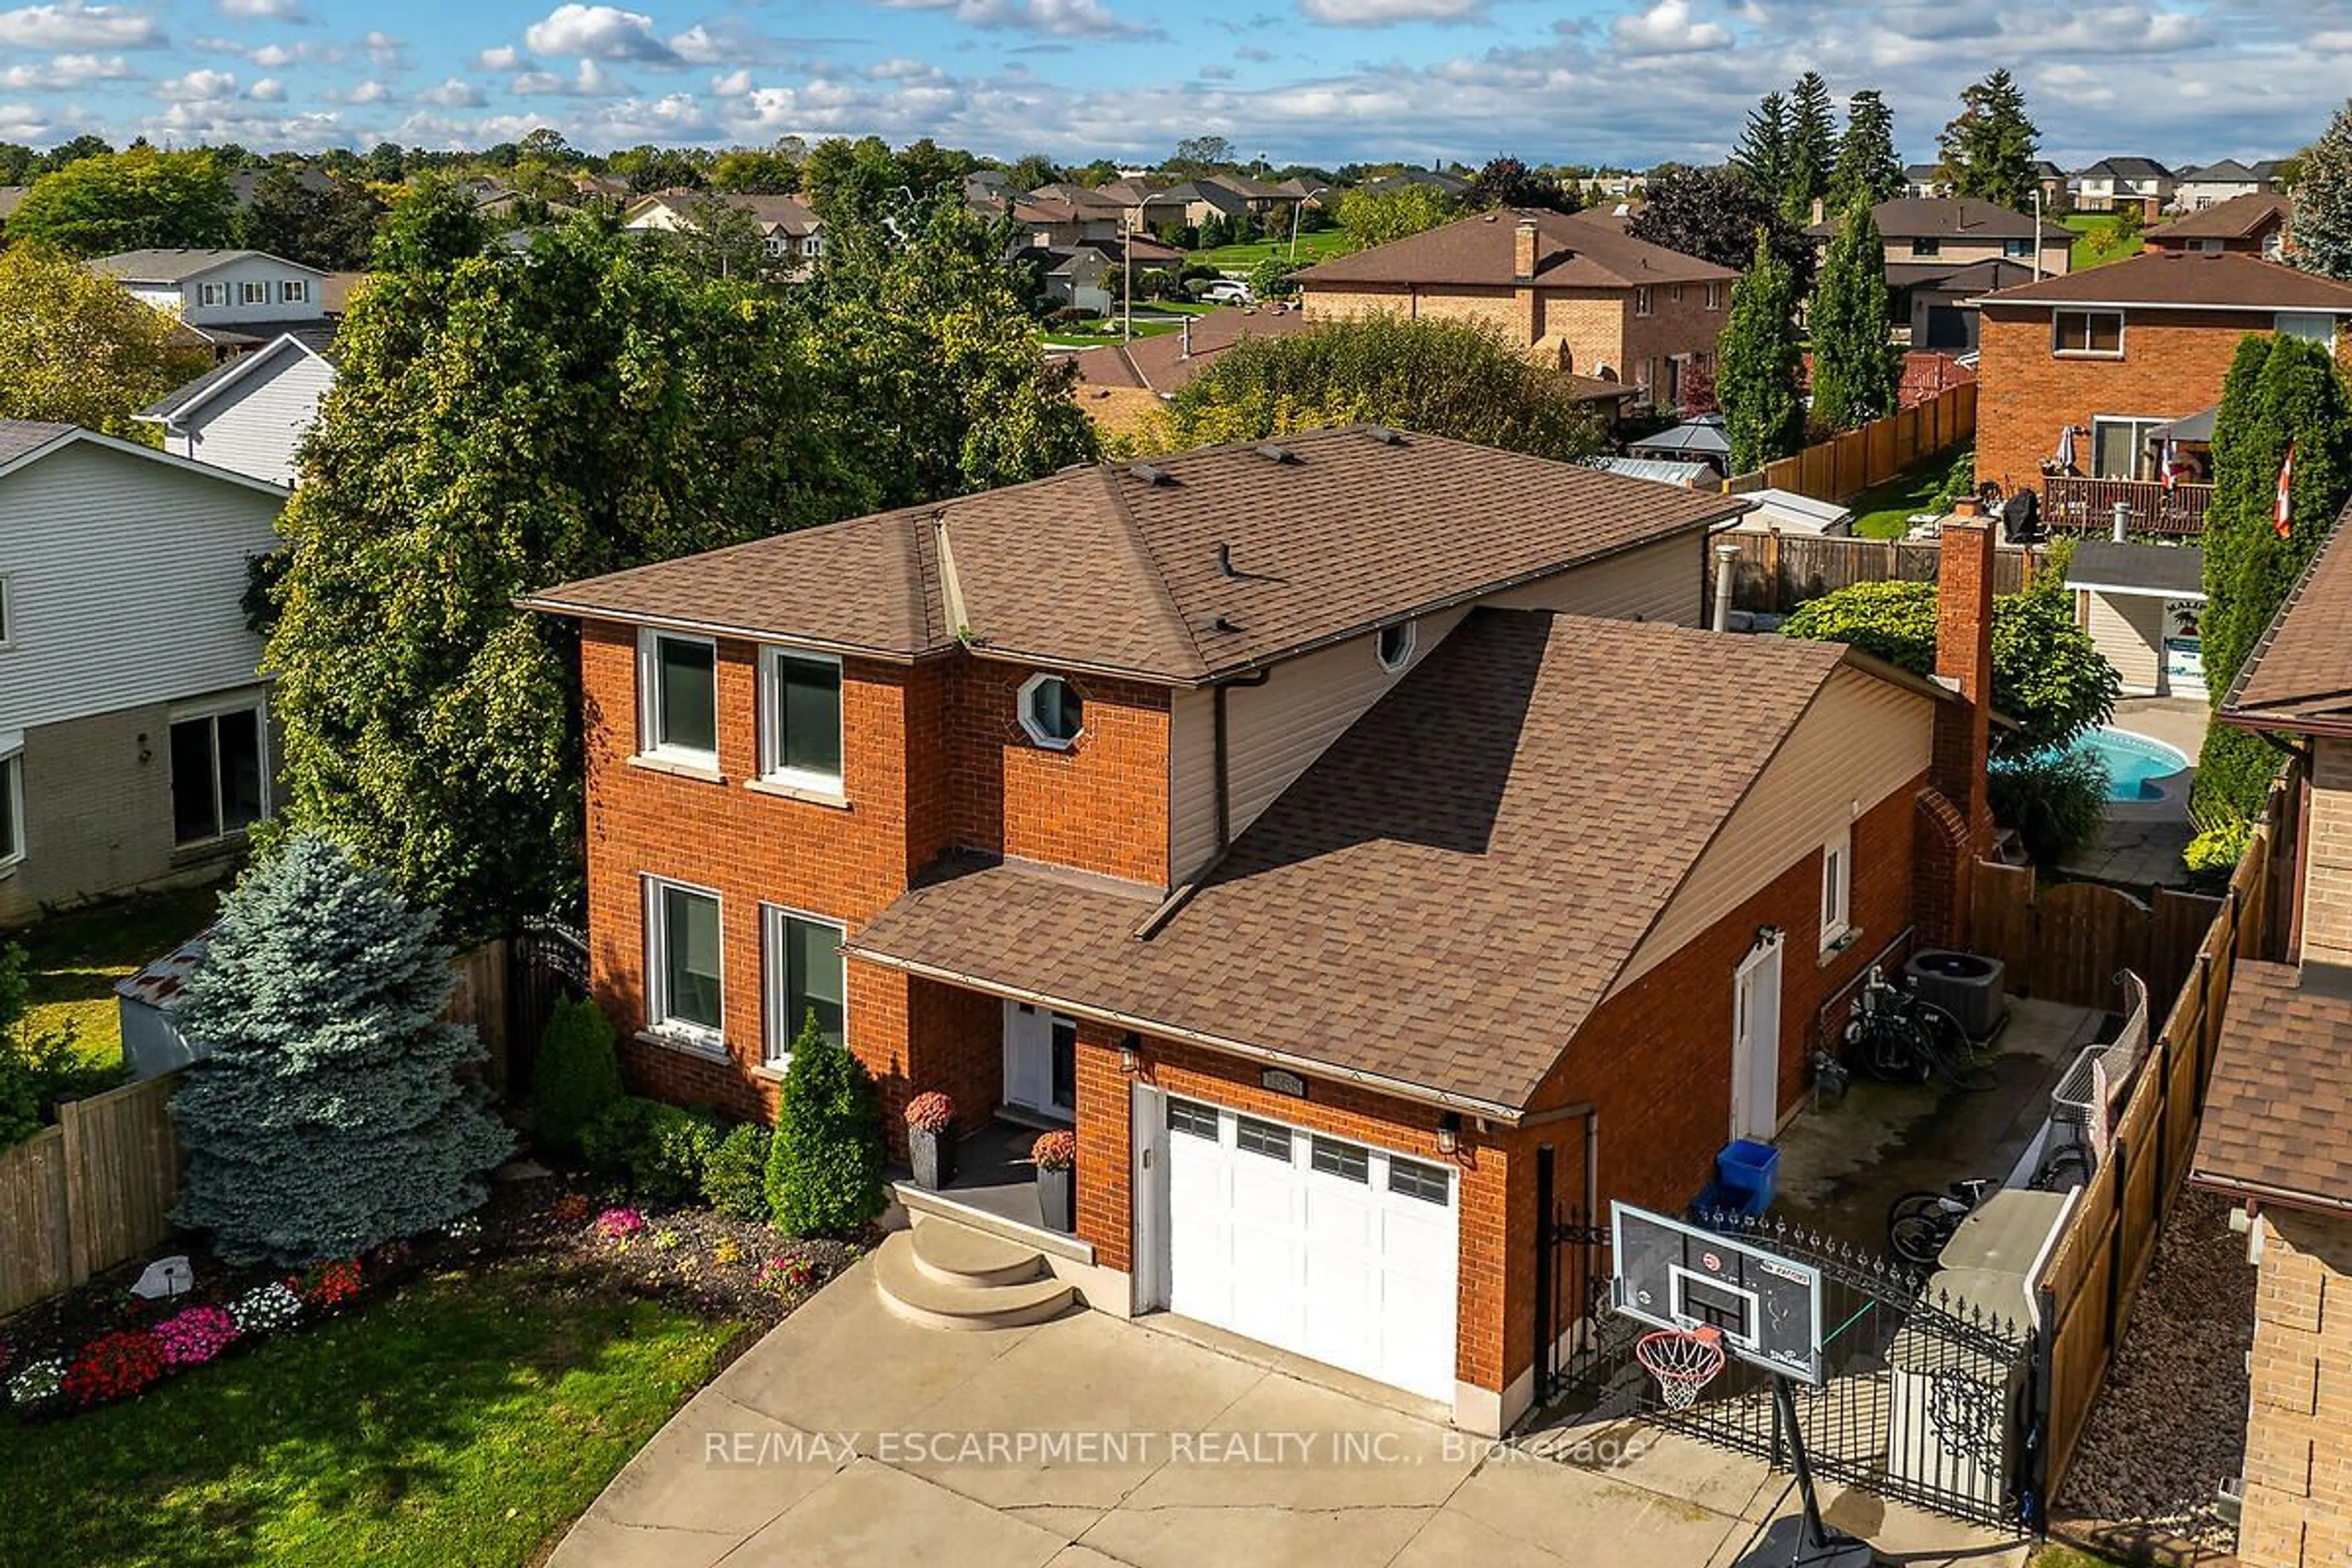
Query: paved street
(848, 1436)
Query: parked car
(1226, 292)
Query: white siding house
(134, 737)
(227, 291)
(249, 414)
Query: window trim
(772, 771)
(778, 1032)
(1715, 294)
(1190, 1110)
(1418, 1171)
(1837, 889)
(212, 710)
(1411, 630)
(212, 295)
(2123, 329)
(2140, 425)
(12, 800)
(683, 1033)
(1353, 1160)
(293, 290)
(1025, 702)
(1643, 303)
(7, 614)
(649, 700)
(1244, 1124)
(253, 292)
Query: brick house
(1573, 289)
(1333, 833)
(2272, 1135)
(1941, 255)
(2115, 351)
(2259, 224)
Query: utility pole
(1127, 289)
(2037, 230)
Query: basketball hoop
(1684, 1361)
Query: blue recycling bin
(1748, 1173)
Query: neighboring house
(1207, 201)
(2213, 184)
(1453, 187)
(2057, 186)
(613, 188)
(2117, 351)
(1052, 224)
(2272, 1143)
(250, 414)
(788, 230)
(2258, 224)
(11, 198)
(1942, 254)
(134, 732)
(988, 190)
(2144, 606)
(2113, 183)
(1572, 289)
(237, 300)
(1311, 824)
(1078, 278)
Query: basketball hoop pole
(1784, 1398)
(1803, 1541)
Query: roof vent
(1151, 475)
(1274, 452)
(1224, 624)
(1225, 567)
(1384, 436)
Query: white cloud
(598, 32)
(269, 90)
(381, 50)
(734, 84)
(454, 93)
(62, 72)
(1668, 27)
(367, 92)
(71, 24)
(201, 86)
(501, 57)
(1382, 13)
(264, 10)
(588, 79)
(1059, 18)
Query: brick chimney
(1953, 828)
(1524, 245)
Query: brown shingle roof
(2232, 280)
(2299, 675)
(2237, 218)
(1911, 217)
(2281, 1100)
(1166, 363)
(1198, 564)
(1448, 893)
(1576, 251)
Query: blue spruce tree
(331, 1115)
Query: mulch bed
(2170, 1426)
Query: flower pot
(933, 1156)
(1057, 1198)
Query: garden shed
(2142, 605)
(148, 1004)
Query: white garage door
(1331, 1249)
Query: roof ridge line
(1155, 570)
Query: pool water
(2135, 762)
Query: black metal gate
(546, 961)
(1926, 1400)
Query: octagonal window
(1051, 711)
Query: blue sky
(1317, 80)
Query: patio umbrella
(2066, 450)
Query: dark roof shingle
(2228, 281)
(2281, 1100)
(2240, 217)
(1574, 251)
(2299, 675)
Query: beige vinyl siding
(1659, 581)
(1193, 782)
(256, 427)
(2327, 874)
(1861, 740)
(2129, 630)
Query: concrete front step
(916, 1294)
(958, 1255)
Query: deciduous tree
(1716, 216)
(318, 222)
(2323, 202)
(1376, 218)
(135, 200)
(1758, 361)
(75, 347)
(1857, 369)
(1505, 182)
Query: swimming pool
(2135, 762)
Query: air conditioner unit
(1969, 987)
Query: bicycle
(1897, 1038)
(1920, 1225)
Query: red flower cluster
(1056, 1151)
(571, 1208)
(114, 1366)
(331, 1284)
(930, 1112)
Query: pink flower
(1055, 1151)
(196, 1336)
(619, 1225)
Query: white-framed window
(212, 293)
(1192, 1118)
(1393, 647)
(685, 971)
(804, 976)
(1271, 1138)
(220, 772)
(813, 245)
(1051, 711)
(253, 293)
(677, 696)
(774, 245)
(12, 800)
(1673, 293)
(1412, 1179)
(2120, 447)
(2311, 326)
(294, 291)
(1642, 300)
(2017, 249)
(1837, 889)
(1714, 296)
(1349, 1161)
(2099, 332)
(7, 615)
(800, 719)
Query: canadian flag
(2282, 515)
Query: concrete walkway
(849, 1437)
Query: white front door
(1756, 1041)
(1040, 1060)
(1323, 1246)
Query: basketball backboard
(1676, 1276)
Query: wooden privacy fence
(1777, 572)
(1847, 465)
(2096, 1263)
(2071, 944)
(94, 1191)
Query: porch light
(1130, 1056)
(1449, 1133)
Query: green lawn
(465, 1420)
(1885, 512)
(77, 957)
(1320, 246)
(2094, 240)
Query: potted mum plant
(930, 1139)
(1055, 1155)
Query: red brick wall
(1673, 327)
(1101, 806)
(2172, 365)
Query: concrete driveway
(850, 1436)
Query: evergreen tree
(2280, 394)
(1761, 156)
(1867, 163)
(1813, 148)
(333, 1114)
(1989, 147)
(1856, 367)
(2323, 202)
(825, 1167)
(1757, 363)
